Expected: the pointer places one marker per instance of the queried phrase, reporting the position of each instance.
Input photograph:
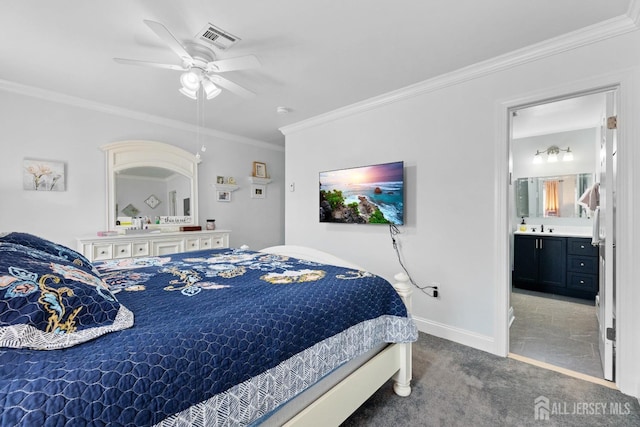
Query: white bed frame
(394, 361)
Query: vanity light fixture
(552, 155)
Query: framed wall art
(40, 175)
(223, 196)
(259, 170)
(258, 191)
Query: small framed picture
(259, 170)
(43, 175)
(220, 180)
(223, 196)
(258, 191)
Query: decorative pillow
(49, 302)
(40, 244)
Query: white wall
(72, 132)
(450, 140)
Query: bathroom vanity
(554, 263)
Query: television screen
(363, 195)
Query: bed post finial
(403, 288)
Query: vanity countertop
(558, 232)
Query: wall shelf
(226, 187)
(256, 180)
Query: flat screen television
(363, 195)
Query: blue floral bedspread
(206, 322)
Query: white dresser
(97, 248)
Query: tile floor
(554, 329)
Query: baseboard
(461, 336)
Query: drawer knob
(102, 253)
(121, 251)
(582, 281)
(581, 246)
(139, 249)
(582, 264)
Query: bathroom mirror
(551, 196)
(152, 180)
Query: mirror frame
(129, 154)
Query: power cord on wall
(432, 291)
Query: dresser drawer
(220, 242)
(192, 244)
(577, 246)
(102, 252)
(206, 242)
(141, 249)
(122, 250)
(585, 282)
(582, 264)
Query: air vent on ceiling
(217, 37)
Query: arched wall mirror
(153, 182)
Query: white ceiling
(316, 55)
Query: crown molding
(601, 31)
(60, 98)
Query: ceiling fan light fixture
(190, 81)
(210, 89)
(188, 93)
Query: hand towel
(595, 232)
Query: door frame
(624, 362)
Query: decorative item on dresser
(150, 244)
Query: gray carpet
(455, 385)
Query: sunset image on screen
(363, 195)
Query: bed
(283, 336)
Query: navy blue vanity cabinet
(525, 262)
(540, 262)
(559, 265)
(582, 268)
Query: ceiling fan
(199, 66)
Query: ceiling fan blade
(231, 86)
(232, 64)
(149, 64)
(164, 33)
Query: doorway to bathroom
(561, 203)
